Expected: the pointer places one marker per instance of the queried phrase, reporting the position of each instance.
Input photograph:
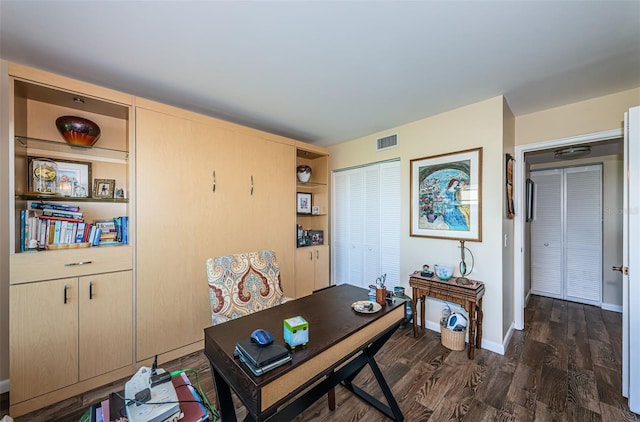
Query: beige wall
(475, 125)
(612, 182)
(589, 116)
(508, 146)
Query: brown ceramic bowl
(78, 131)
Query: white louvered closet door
(583, 234)
(366, 224)
(546, 234)
(566, 234)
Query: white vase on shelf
(304, 173)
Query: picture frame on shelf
(303, 202)
(446, 196)
(103, 188)
(316, 236)
(73, 178)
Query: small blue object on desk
(296, 331)
(261, 337)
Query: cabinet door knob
(317, 254)
(252, 185)
(90, 290)
(213, 179)
(310, 256)
(65, 294)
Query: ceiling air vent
(390, 141)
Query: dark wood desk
(468, 296)
(341, 343)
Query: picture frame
(73, 178)
(509, 163)
(103, 188)
(530, 190)
(303, 201)
(316, 236)
(446, 196)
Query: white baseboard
(4, 386)
(611, 307)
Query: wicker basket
(453, 340)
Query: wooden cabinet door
(305, 272)
(106, 323)
(178, 221)
(44, 337)
(321, 266)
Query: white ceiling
(330, 71)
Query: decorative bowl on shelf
(78, 131)
(444, 272)
(304, 173)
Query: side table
(469, 296)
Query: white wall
(475, 125)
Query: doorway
(539, 153)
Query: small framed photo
(103, 188)
(316, 236)
(303, 203)
(315, 210)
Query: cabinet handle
(65, 294)
(252, 185)
(90, 290)
(317, 254)
(69, 264)
(213, 185)
(310, 256)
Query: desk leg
(331, 397)
(472, 328)
(225, 402)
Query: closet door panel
(546, 234)
(340, 232)
(390, 222)
(584, 234)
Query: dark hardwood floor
(564, 366)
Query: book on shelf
(54, 206)
(60, 213)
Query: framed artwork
(530, 195)
(103, 188)
(509, 185)
(72, 178)
(304, 203)
(446, 196)
(316, 236)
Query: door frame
(519, 178)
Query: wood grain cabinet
(206, 188)
(70, 309)
(312, 269)
(69, 330)
(312, 261)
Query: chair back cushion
(243, 283)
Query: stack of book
(114, 408)
(261, 359)
(49, 225)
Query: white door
(546, 234)
(566, 234)
(583, 234)
(631, 254)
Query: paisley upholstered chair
(244, 283)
